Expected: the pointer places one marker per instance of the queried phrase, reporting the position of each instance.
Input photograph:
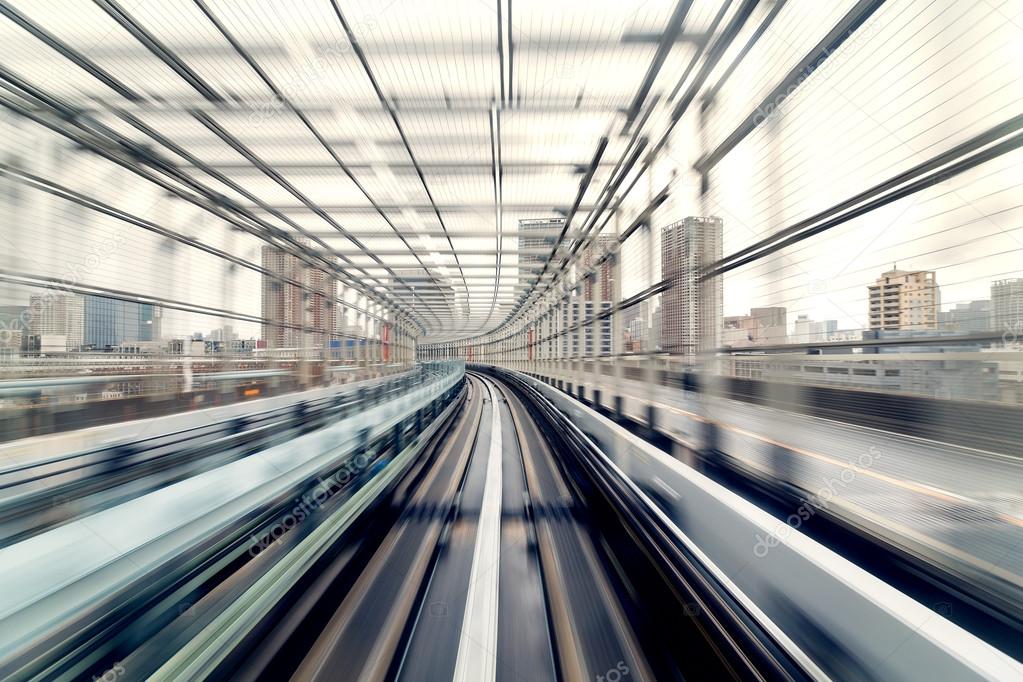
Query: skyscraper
(692, 311)
(14, 322)
(597, 296)
(602, 279)
(537, 234)
(771, 324)
(58, 315)
(293, 308)
(904, 299)
(739, 331)
(110, 321)
(973, 317)
(540, 234)
(1007, 305)
(810, 331)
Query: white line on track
(477, 646)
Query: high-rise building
(763, 326)
(739, 331)
(633, 330)
(973, 317)
(811, 331)
(904, 299)
(14, 322)
(803, 330)
(281, 301)
(294, 309)
(111, 322)
(537, 234)
(597, 295)
(771, 325)
(321, 306)
(774, 316)
(602, 279)
(581, 341)
(1007, 305)
(55, 315)
(691, 310)
(541, 235)
(225, 335)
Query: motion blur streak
(511, 340)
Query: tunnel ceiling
(403, 140)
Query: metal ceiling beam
(455, 234)
(492, 251)
(69, 53)
(172, 146)
(710, 56)
(67, 194)
(497, 169)
(691, 37)
(467, 266)
(810, 62)
(445, 48)
(542, 210)
(108, 144)
(281, 97)
(710, 94)
(385, 103)
(450, 292)
(504, 50)
(461, 295)
(667, 41)
(714, 53)
(459, 167)
(159, 50)
(242, 106)
(284, 140)
(291, 189)
(474, 287)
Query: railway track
(500, 565)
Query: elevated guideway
(937, 507)
(453, 527)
